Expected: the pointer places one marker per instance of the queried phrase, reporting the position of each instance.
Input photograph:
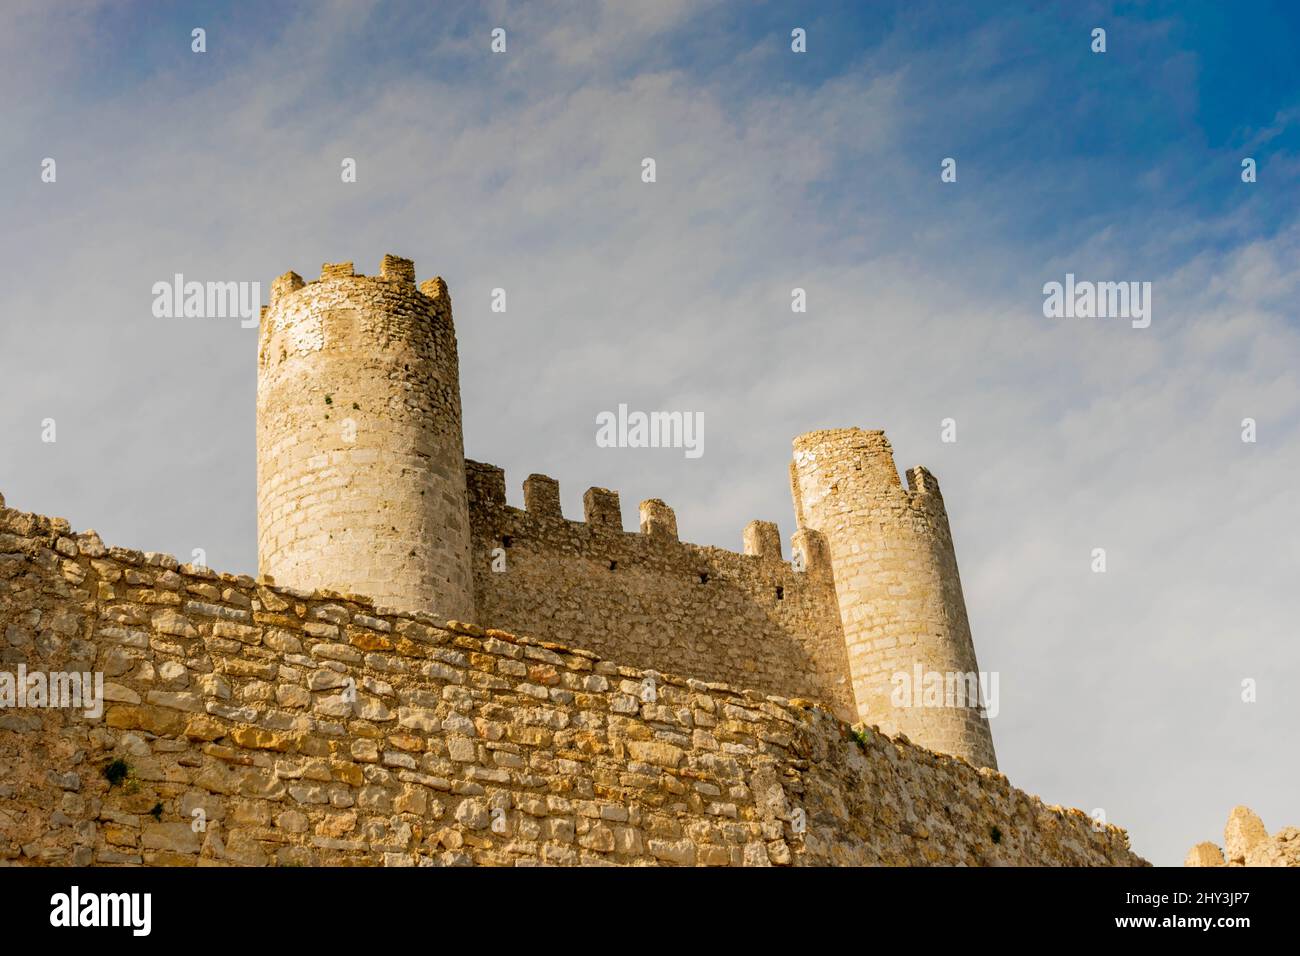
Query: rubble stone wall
(256, 725)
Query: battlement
(394, 269)
(601, 510)
(923, 492)
(842, 437)
(602, 517)
(284, 285)
(855, 457)
(651, 598)
(658, 520)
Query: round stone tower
(911, 658)
(360, 457)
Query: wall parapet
(649, 599)
(602, 515)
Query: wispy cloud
(522, 172)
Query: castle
(363, 487)
(422, 675)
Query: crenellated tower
(898, 589)
(360, 455)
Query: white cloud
(1118, 691)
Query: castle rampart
(648, 599)
(260, 725)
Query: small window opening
(780, 593)
(506, 540)
(704, 577)
(613, 565)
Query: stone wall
(649, 600)
(232, 704)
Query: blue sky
(821, 171)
